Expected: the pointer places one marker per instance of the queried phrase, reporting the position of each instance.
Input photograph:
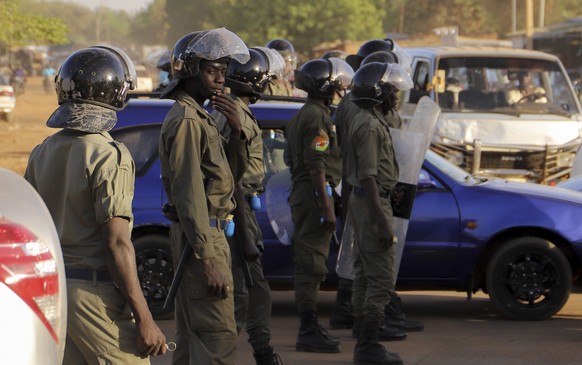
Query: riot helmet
(209, 45)
(250, 78)
(335, 53)
(100, 75)
(380, 56)
(286, 49)
(376, 82)
(366, 49)
(321, 78)
(164, 61)
(276, 62)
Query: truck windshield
(512, 85)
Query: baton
(186, 254)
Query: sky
(130, 6)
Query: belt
(88, 274)
(218, 223)
(360, 192)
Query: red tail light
(6, 93)
(29, 269)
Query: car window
(421, 80)
(274, 144)
(142, 142)
(487, 83)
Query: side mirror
(425, 181)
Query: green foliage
(20, 29)
(151, 26)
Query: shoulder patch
(321, 141)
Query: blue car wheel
(529, 278)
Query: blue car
(520, 243)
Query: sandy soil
(27, 128)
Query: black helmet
(321, 78)
(375, 82)
(335, 53)
(164, 61)
(275, 60)
(100, 75)
(380, 56)
(281, 45)
(203, 45)
(250, 78)
(368, 48)
(286, 49)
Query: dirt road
(27, 129)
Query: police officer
(164, 75)
(283, 86)
(397, 323)
(199, 174)
(86, 180)
(372, 173)
(314, 160)
(252, 294)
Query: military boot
(341, 315)
(267, 357)
(395, 317)
(313, 337)
(385, 333)
(369, 352)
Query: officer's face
(213, 75)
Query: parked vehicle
(519, 242)
(33, 308)
(144, 80)
(7, 99)
(488, 126)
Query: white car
(483, 126)
(144, 80)
(33, 304)
(7, 99)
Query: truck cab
(505, 112)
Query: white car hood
(526, 129)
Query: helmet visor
(276, 62)
(396, 75)
(404, 59)
(341, 72)
(219, 43)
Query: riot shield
(410, 145)
(278, 209)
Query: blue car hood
(548, 192)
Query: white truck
(505, 112)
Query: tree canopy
(19, 28)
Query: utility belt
(227, 225)
(88, 274)
(360, 192)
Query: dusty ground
(27, 128)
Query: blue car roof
(270, 114)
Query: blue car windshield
(453, 171)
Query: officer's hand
(150, 339)
(328, 219)
(217, 284)
(387, 235)
(227, 106)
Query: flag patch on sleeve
(321, 141)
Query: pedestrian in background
(199, 172)
(86, 180)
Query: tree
(21, 29)
(305, 23)
(151, 26)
